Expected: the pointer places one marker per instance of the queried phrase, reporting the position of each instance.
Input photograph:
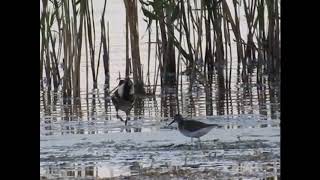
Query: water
(90, 142)
(111, 151)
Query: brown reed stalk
(131, 11)
(105, 47)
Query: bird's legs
(126, 122)
(119, 117)
(127, 118)
(191, 143)
(199, 141)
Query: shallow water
(246, 146)
(90, 142)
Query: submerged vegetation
(200, 39)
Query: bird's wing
(196, 125)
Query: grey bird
(192, 128)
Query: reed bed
(200, 39)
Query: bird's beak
(172, 122)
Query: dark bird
(123, 98)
